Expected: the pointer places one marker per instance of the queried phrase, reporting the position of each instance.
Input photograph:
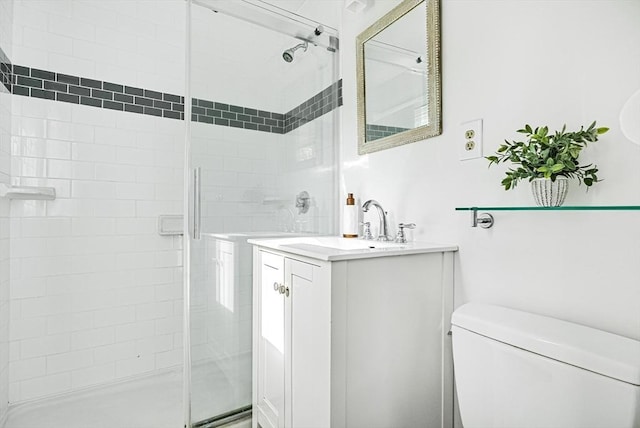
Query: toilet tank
(515, 369)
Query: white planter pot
(549, 193)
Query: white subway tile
(136, 226)
(27, 328)
(57, 130)
(93, 375)
(93, 263)
(48, 345)
(134, 156)
(92, 152)
(115, 137)
(70, 169)
(136, 330)
(169, 358)
(93, 189)
(115, 208)
(29, 167)
(25, 288)
(37, 38)
(92, 300)
(135, 366)
(43, 386)
(68, 64)
(71, 28)
(93, 338)
(93, 226)
(115, 352)
(169, 291)
(150, 311)
(114, 172)
(168, 258)
(169, 325)
(37, 227)
(135, 295)
(127, 261)
(69, 322)
(114, 316)
(138, 191)
(69, 361)
(154, 344)
(71, 208)
(27, 369)
(155, 208)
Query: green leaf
(602, 130)
(528, 128)
(557, 167)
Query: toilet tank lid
(591, 349)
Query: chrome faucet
(383, 230)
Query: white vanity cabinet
(352, 342)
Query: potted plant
(548, 161)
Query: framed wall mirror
(398, 77)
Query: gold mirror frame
(434, 101)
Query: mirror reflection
(396, 77)
(399, 77)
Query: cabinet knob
(276, 286)
(282, 288)
(286, 291)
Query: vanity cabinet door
(271, 342)
(307, 337)
(293, 344)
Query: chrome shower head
(288, 54)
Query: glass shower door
(262, 156)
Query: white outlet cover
(462, 141)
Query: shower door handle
(197, 203)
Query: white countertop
(334, 248)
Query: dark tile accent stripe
(32, 82)
(323, 102)
(211, 112)
(374, 132)
(6, 73)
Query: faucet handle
(400, 237)
(366, 230)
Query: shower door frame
(256, 9)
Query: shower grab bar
(197, 203)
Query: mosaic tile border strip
(33, 82)
(375, 132)
(6, 77)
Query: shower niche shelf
(27, 192)
(485, 220)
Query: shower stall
(261, 161)
(126, 287)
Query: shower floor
(152, 402)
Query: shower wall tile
(96, 289)
(104, 40)
(6, 44)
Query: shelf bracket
(484, 220)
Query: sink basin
(343, 244)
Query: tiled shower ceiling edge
(37, 83)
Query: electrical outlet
(470, 139)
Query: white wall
(511, 63)
(6, 21)
(96, 293)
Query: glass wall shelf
(563, 208)
(485, 219)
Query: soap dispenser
(350, 218)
